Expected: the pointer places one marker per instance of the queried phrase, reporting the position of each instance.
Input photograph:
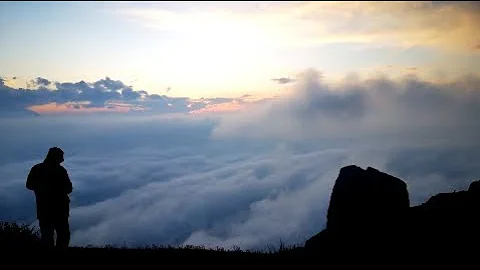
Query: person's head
(54, 155)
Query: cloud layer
(249, 178)
(362, 109)
(104, 95)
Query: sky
(228, 49)
(226, 123)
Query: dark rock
(474, 187)
(369, 211)
(365, 205)
(447, 219)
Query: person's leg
(46, 232)
(62, 228)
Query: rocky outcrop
(447, 218)
(365, 199)
(365, 205)
(371, 208)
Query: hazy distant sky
(207, 49)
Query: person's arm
(68, 188)
(32, 179)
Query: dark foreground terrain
(369, 223)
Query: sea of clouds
(251, 178)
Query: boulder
(369, 214)
(365, 205)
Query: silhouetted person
(51, 184)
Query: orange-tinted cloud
(446, 25)
(221, 107)
(103, 96)
(54, 108)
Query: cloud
(216, 198)
(42, 81)
(447, 25)
(104, 95)
(283, 80)
(38, 83)
(151, 180)
(249, 178)
(314, 109)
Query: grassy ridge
(16, 236)
(20, 246)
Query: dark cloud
(99, 94)
(38, 82)
(283, 80)
(157, 97)
(42, 81)
(318, 101)
(109, 84)
(129, 94)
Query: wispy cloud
(283, 80)
(450, 25)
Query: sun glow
(206, 50)
(220, 46)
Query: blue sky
(208, 49)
